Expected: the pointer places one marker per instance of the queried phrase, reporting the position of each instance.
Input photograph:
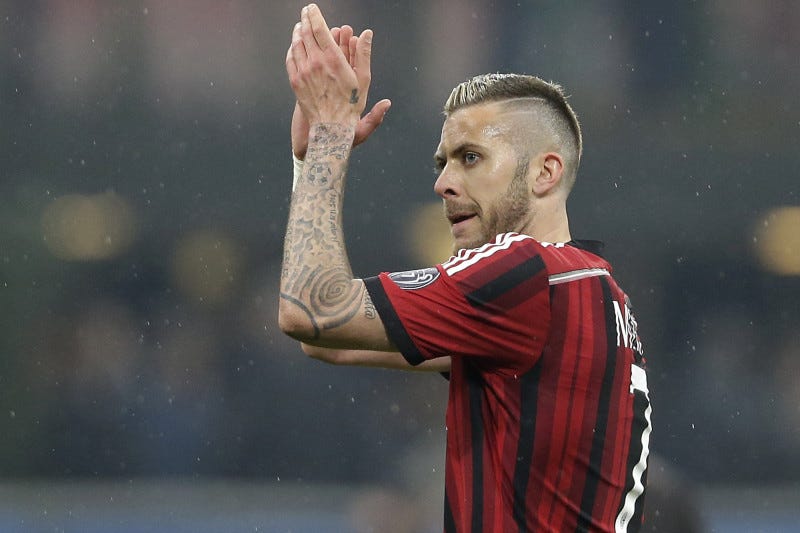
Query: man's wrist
(330, 138)
(339, 126)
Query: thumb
(370, 122)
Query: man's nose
(446, 185)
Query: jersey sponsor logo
(415, 279)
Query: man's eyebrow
(440, 157)
(459, 149)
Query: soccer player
(548, 418)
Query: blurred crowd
(145, 178)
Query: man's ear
(550, 174)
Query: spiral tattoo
(333, 298)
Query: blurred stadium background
(144, 178)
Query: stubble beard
(509, 213)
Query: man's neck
(550, 225)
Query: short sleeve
(490, 302)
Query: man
(548, 419)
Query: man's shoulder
(507, 250)
(575, 255)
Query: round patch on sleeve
(415, 279)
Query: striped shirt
(548, 417)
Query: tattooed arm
(321, 304)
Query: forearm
(318, 292)
(372, 358)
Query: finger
(370, 122)
(344, 40)
(298, 46)
(322, 35)
(291, 66)
(382, 107)
(363, 59)
(336, 33)
(375, 116)
(297, 50)
(378, 112)
(307, 32)
(351, 53)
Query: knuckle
(315, 65)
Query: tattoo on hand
(354, 96)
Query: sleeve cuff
(391, 321)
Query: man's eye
(471, 158)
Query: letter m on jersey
(627, 335)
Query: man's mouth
(455, 219)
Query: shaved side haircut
(554, 118)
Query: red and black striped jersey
(548, 417)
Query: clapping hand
(323, 65)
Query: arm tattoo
(316, 274)
(369, 307)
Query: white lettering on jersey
(627, 335)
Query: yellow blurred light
(429, 234)
(207, 266)
(79, 227)
(777, 240)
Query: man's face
(483, 180)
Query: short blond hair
(546, 99)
